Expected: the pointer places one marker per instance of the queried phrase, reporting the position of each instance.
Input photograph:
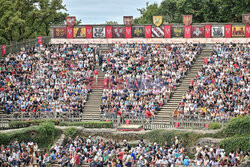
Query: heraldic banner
(128, 20)
(118, 32)
(157, 32)
(238, 31)
(167, 29)
(99, 32)
(59, 32)
(208, 31)
(247, 31)
(187, 32)
(69, 32)
(246, 19)
(218, 31)
(197, 32)
(177, 32)
(70, 21)
(157, 20)
(138, 32)
(128, 32)
(108, 31)
(40, 40)
(3, 50)
(187, 20)
(79, 32)
(147, 31)
(228, 28)
(89, 32)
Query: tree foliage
(202, 11)
(111, 22)
(23, 19)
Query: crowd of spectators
(46, 81)
(97, 153)
(220, 90)
(139, 78)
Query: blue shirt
(186, 162)
(52, 156)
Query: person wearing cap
(164, 162)
(186, 161)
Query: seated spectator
(220, 89)
(141, 77)
(47, 81)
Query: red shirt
(148, 114)
(96, 72)
(108, 61)
(77, 159)
(120, 154)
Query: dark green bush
(95, 124)
(23, 124)
(44, 135)
(236, 142)
(160, 136)
(238, 126)
(71, 132)
(214, 125)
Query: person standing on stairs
(96, 72)
(100, 57)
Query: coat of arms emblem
(157, 20)
(187, 20)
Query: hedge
(238, 126)
(71, 132)
(236, 142)
(95, 124)
(214, 125)
(44, 135)
(161, 135)
(23, 124)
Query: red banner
(88, 31)
(128, 32)
(247, 31)
(69, 32)
(228, 29)
(167, 31)
(40, 40)
(147, 31)
(108, 31)
(187, 32)
(70, 21)
(3, 50)
(208, 31)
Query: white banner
(150, 40)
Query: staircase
(167, 110)
(91, 111)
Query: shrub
(238, 126)
(22, 124)
(236, 142)
(71, 132)
(214, 125)
(42, 136)
(160, 136)
(46, 128)
(95, 124)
